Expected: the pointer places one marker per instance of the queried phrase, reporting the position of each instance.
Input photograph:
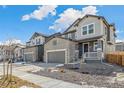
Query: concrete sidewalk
(44, 82)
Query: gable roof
(61, 38)
(72, 25)
(37, 34)
(80, 19)
(55, 34)
(94, 16)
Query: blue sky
(21, 22)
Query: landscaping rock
(86, 80)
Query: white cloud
(119, 40)
(41, 12)
(119, 31)
(11, 41)
(70, 15)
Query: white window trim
(88, 29)
(94, 46)
(66, 35)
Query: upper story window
(66, 36)
(70, 35)
(39, 41)
(89, 29)
(106, 30)
(36, 42)
(73, 35)
(33, 42)
(85, 30)
(108, 35)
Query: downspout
(101, 56)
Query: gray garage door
(56, 57)
(28, 57)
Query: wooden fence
(115, 58)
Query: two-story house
(34, 48)
(92, 33)
(6, 52)
(18, 52)
(94, 38)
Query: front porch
(91, 50)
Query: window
(36, 42)
(33, 43)
(55, 42)
(66, 36)
(73, 35)
(39, 41)
(69, 36)
(105, 30)
(91, 30)
(108, 35)
(84, 30)
(95, 46)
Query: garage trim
(28, 52)
(55, 51)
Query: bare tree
(11, 56)
(7, 67)
(3, 58)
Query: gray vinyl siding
(35, 51)
(30, 51)
(97, 31)
(108, 36)
(61, 44)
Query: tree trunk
(4, 68)
(7, 70)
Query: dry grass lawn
(16, 83)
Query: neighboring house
(60, 50)
(18, 52)
(1, 52)
(7, 52)
(92, 33)
(34, 48)
(119, 46)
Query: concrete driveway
(34, 67)
(45, 65)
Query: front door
(85, 47)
